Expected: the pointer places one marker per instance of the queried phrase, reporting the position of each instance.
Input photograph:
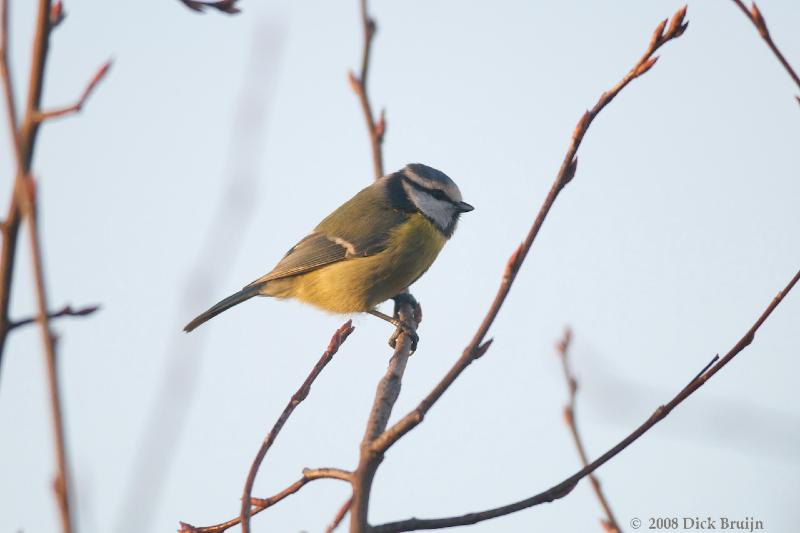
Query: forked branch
(338, 338)
(260, 504)
(41, 116)
(565, 487)
(477, 346)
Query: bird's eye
(438, 194)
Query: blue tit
(368, 250)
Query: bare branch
(259, 504)
(610, 524)
(338, 338)
(376, 130)
(565, 487)
(223, 6)
(339, 516)
(564, 176)
(77, 106)
(758, 21)
(385, 397)
(67, 310)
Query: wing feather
(360, 227)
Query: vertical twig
(377, 129)
(610, 523)
(389, 387)
(338, 338)
(23, 203)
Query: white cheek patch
(441, 212)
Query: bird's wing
(351, 231)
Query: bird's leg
(401, 326)
(407, 298)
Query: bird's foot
(408, 330)
(407, 298)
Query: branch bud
(676, 26)
(759, 21)
(658, 33)
(57, 14)
(644, 67)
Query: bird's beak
(464, 207)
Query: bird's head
(434, 195)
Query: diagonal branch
(761, 25)
(338, 338)
(375, 129)
(610, 524)
(340, 514)
(41, 116)
(259, 504)
(477, 346)
(67, 310)
(565, 487)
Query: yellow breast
(357, 285)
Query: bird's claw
(407, 298)
(403, 328)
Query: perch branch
(67, 310)
(565, 487)
(259, 504)
(338, 338)
(388, 388)
(375, 129)
(41, 116)
(477, 347)
(385, 397)
(761, 25)
(610, 523)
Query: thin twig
(477, 346)
(610, 524)
(23, 204)
(10, 227)
(338, 338)
(339, 516)
(565, 487)
(77, 106)
(62, 478)
(223, 6)
(260, 504)
(761, 25)
(376, 130)
(67, 310)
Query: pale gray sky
(679, 228)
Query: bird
(369, 250)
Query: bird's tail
(224, 305)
